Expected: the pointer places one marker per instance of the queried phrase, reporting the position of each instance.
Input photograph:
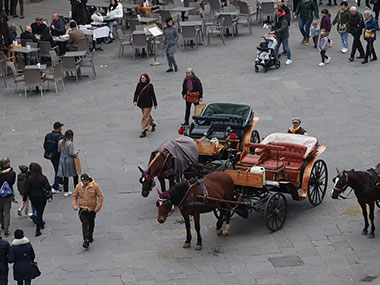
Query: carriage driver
(296, 127)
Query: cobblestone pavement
(338, 104)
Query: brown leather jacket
(89, 198)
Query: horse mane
(178, 191)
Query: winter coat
(10, 177)
(356, 24)
(326, 23)
(371, 25)
(4, 252)
(80, 12)
(305, 10)
(116, 12)
(88, 197)
(21, 254)
(21, 179)
(299, 131)
(314, 31)
(66, 166)
(74, 37)
(281, 28)
(342, 18)
(197, 86)
(51, 144)
(34, 189)
(323, 42)
(38, 29)
(6, 37)
(60, 28)
(28, 36)
(147, 98)
(171, 38)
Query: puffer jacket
(323, 42)
(88, 197)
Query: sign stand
(155, 31)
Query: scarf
(293, 130)
(189, 83)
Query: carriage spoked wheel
(275, 212)
(217, 214)
(255, 138)
(277, 64)
(317, 185)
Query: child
(314, 33)
(262, 50)
(21, 179)
(323, 45)
(326, 21)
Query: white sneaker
(288, 61)
(54, 191)
(66, 194)
(344, 50)
(321, 64)
(328, 59)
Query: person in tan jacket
(89, 197)
(74, 36)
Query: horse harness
(193, 203)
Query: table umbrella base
(155, 63)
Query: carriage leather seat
(293, 155)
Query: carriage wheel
(377, 203)
(255, 138)
(277, 64)
(217, 214)
(317, 185)
(275, 212)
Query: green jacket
(281, 28)
(305, 10)
(342, 18)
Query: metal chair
(33, 78)
(3, 69)
(215, 6)
(125, 40)
(190, 33)
(132, 24)
(25, 43)
(18, 76)
(45, 47)
(266, 10)
(229, 9)
(55, 76)
(71, 65)
(246, 12)
(216, 29)
(139, 41)
(83, 44)
(88, 61)
(55, 59)
(230, 23)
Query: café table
(147, 20)
(36, 66)
(183, 10)
(191, 23)
(26, 51)
(79, 53)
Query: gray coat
(66, 167)
(171, 38)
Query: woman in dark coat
(191, 86)
(371, 26)
(34, 187)
(22, 255)
(80, 13)
(145, 98)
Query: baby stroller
(266, 56)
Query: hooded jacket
(21, 254)
(281, 28)
(88, 197)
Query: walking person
(51, 152)
(192, 92)
(22, 255)
(323, 45)
(371, 26)
(145, 98)
(89, 197)
(356, 30)
(66, 167)
(170, 43)
(35, 186)
(325, 21)
(376, 9)
(14, 8)
(305, 11)
(314, 32)
(4, 252)
(281, 29)
(7, 180)
(342, 18)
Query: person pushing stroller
(281, 30)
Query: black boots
(143, 134)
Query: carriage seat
(264, 159)
(292, 155)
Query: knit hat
(19, 234)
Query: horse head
(340, 184)
(164, 205)
(146, 181)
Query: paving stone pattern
(338, 104)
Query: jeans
(187, 112)
(5, 212)
(24, 282)
(357, 45)
(285, 43)
(39, 203)
(171, 60)
(344, 37)
(370, 50)
(66, 183)
(57, 179)
(88, 223)
(304, 25)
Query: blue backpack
(5, 190)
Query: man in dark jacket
(28, 35)
(50, 147)
(281, 30)
(57, 26)
(9, 176)
(4, 251)
(356, 30)
(38, 26)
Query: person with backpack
(51, 152)
(7, 179)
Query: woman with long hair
(115, 11)
(34, 190)
(66, 167)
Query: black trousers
(366, 3)
(39, 203)
(66, 183)
(370, 50)
(187, 112)
(4, 4)
(88, 223)
(323, 55)
(357, 45)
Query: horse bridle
(345, 186)
(147, 176)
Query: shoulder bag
(142, 90)
(47, 193)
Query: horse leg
(198, 230)
(227, 227)
(219, 224)
(364, 211)
(188, 232)
(372, 218)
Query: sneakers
(54, 191)
(19, 211)
(328, 59)
(288, 61)
(86, 243)
(67, 194)
(321, 64)
(344, 50)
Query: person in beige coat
(74, 36)
(89, 197)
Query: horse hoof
(198, 247)
(219, 232)
(364, 233)
(186, 245)
(371, 236)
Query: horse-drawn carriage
(221, 128)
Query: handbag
(48, 194)
(342, 28)
(36, 270)
(5, 190)
(192, 97)
(368, 34)
(78, 166)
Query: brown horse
(160, 167)
(195, 197)
(366, 188)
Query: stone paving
(338, 104)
